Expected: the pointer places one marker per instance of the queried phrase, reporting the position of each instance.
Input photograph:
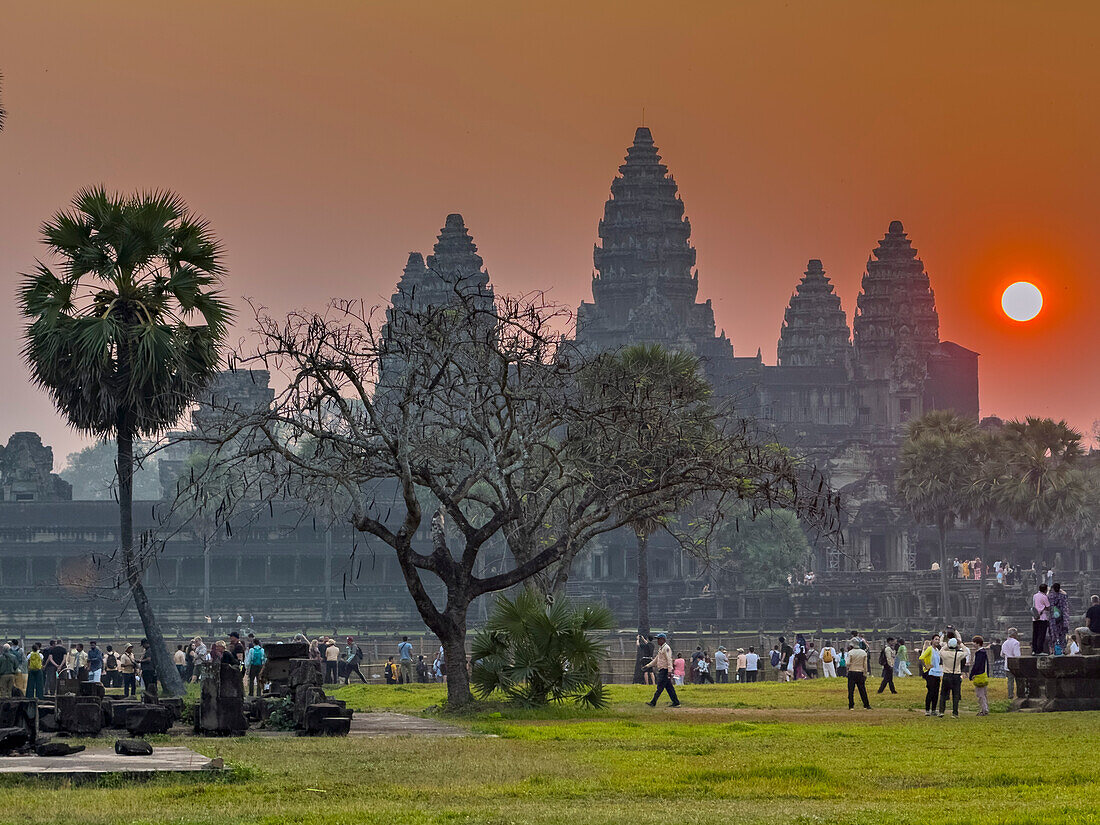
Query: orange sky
(326, 141)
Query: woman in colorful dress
(1059, 619)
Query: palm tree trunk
(167, 674)
(643, 601)
(981, 582)
(943, 572)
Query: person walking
(679, 669)
(127, 666)
(1040, 620)
(662, 666)
(1011, 650)
(353, 655)
(36, 677)
(703, 668)
(828, 661)
(857, 676)
(887, 658)
(405, 654)
(953, 658)
(901, 661)
(254, 661)
(1058, 627)
(979, 675)
(786, 660)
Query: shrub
(534, 651)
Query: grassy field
(753, 753)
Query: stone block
(314, 714)
(20, 713)
(81, 715)
(174, 704)
(221, 705)
(47, 717)
(305, 672)
(91, 689)
(68, 686)
(286, 650)
(12, 739)
(133, 747)
(143, 719)
(57, 749)
(335, 726)
(304, 696)
(119, 708)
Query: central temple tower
(645, 285)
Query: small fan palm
(534, 653)
(124, 331)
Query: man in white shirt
(721, 665)
(1040, 613)
(662, 666)
(1011, 650)
(752, 664)
(828, 662)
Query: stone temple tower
(454, 274)
(815, 329)
(645, 286)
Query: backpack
(775, 658)
(112, 661)
(827, 654)
(882, 660)
(34, 661)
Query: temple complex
(840, 393)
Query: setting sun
(1022, 301)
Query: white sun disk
(1022, 301)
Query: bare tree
(454, 429)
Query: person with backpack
(841, 664)
(828, 661)
(886, 658)
(36, 676)
(255, 659)
(21, 669)
(813, 660)
(775, 657)
(979, 675)
(953, 659)
(111, 677)
(353, 655)
(391, 672)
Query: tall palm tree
(936, 469)
(123, 333)
(1048, 483)
(642, 374)
(986, 500)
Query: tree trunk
(979, 619)
(946, 604)
(453, 639)
(167, 674)
(643, 603)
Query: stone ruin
(1055, 683)
(84, 709)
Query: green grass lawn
(754, 753)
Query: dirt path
(385, 723)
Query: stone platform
(1059, 683)
(99, 761)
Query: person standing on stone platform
(36, 679)
(1058, 628)
(1040, 620)
(8, 668)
